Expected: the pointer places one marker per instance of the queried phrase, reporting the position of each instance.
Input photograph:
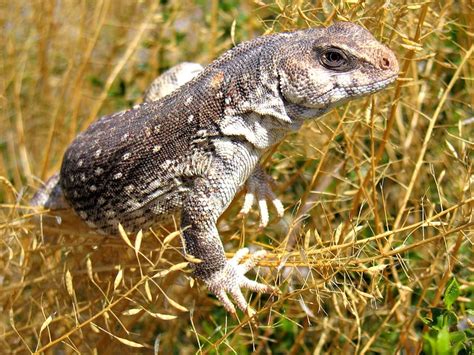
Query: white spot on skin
(99, 171)
(156, 129)
(118, 176)
(129, 188)
(125, 137)
(147, 131)
(83, 177)
(93, 188)
(190, 118)
(80, 162)
(126, 156)
(156, 148)
(97, 153)
(110, 214)
(90, 224)
(71, 178)
(188, 101)
(83, 214)
(166, 164)
(227, 100)
(101, 200)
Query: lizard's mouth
(334, 96)
(370, 88)
(340, 94)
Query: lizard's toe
(264, 215)
(239, 255)
(251, 261)
(228, 305)
(278, 206)
(239, 298)
(258, 287)
(249, 200)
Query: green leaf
(451, 293)
(457, 337)
(443, 345)
(429, 344)
(438, 318)
(450, 318)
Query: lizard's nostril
(384, 62)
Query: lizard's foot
(232, 278)
(259, 188)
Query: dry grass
(378, 193)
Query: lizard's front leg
(208, 198)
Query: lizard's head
(326, 67)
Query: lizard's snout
(388, 61)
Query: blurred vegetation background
(374, 254)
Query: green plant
(447, 334)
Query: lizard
(188, 153)
(258, 185)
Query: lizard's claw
(259, 188)
(232, 278)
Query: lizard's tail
(60, 217)
(50, 196)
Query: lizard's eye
(334, 59)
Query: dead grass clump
(374, 252)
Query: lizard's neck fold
(260, 131)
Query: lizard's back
(125, 168)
